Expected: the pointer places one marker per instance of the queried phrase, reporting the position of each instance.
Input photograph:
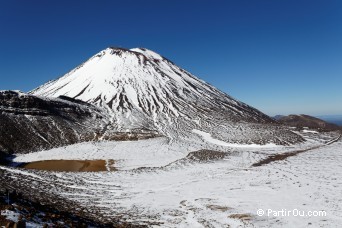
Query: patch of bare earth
(206, 155)
(242, 217)
(219, 208)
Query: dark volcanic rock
(206, 155)
(29, 123)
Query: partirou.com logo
(293, 212)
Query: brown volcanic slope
(307, 121)
(29, 123)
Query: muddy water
(71, 165)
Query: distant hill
(335, 119)
(277, 117)
(311, 122)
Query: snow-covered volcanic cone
(144, 91)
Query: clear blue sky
(280, 56)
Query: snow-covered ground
(207, 137)
(161, 151)
(182, 192)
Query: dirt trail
(283, 156)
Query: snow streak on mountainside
(143, 90)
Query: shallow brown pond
(71, 165)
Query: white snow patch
(13, 170)
(206, 136)
(310, 131)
